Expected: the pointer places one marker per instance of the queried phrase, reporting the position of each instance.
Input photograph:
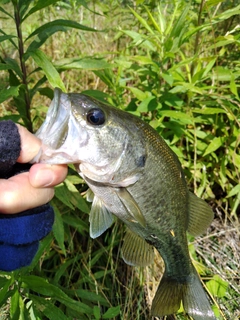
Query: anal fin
(200, 215)
(136, 251)
(168, 298)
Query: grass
(177, 68)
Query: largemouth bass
(134, 175)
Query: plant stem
(27, 99)
(196, 45)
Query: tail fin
(171, 292)
(195, 300)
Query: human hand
(31, 189)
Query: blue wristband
(26, 227)
(16, 257)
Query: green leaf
(75, 197)
(83, 63)
(91, 296)
(6, 12)
(216, 143)
(139, 94)
(154, 22)
(168, 78)
(142, 21)
(209, 111)
(217, 286)
(179, 25)
(6, 37)
(222, 74)
(233, 87)
(61, 23)
(47, 308)
(41, 37)
(38, 6)
(234, 191)
(9, 93)
(96, 312)
(14, 306)
(227, 14)
(176, 115)
(51, 73)
(13, 65)
(111, 313)
(44, 246)
(146, 104)
(58, 228)
(63, 194)
(42, 287)
(23, 6)
(4, 290)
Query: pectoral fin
(89, 195)
(100, 218)
(136, 251)
(200, 215)
(131, 205)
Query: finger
(17, 194)
(30, 145)
(45, 175)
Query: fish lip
(53, 131)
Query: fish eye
(96, 117)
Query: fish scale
(135, 176)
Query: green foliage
(175, 65)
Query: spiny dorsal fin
(136, 251)
(100, 218)
(200, 215)
(131, 205)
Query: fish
(132, 174)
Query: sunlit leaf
(216, 143)
(209, 111)
(217, 286)
(139, 94)
(51, 73)
(234, 191)
(176, 115)
(83, 63)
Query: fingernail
(44, 178)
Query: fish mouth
(54, 129)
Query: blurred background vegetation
(174, 64)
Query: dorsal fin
(136, 251)
(200, 215)
(100, 218)
(131, 205)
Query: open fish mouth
(54, 129)
(58, 133)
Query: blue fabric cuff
(15, 257)
(20, 235)
(26, 227)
